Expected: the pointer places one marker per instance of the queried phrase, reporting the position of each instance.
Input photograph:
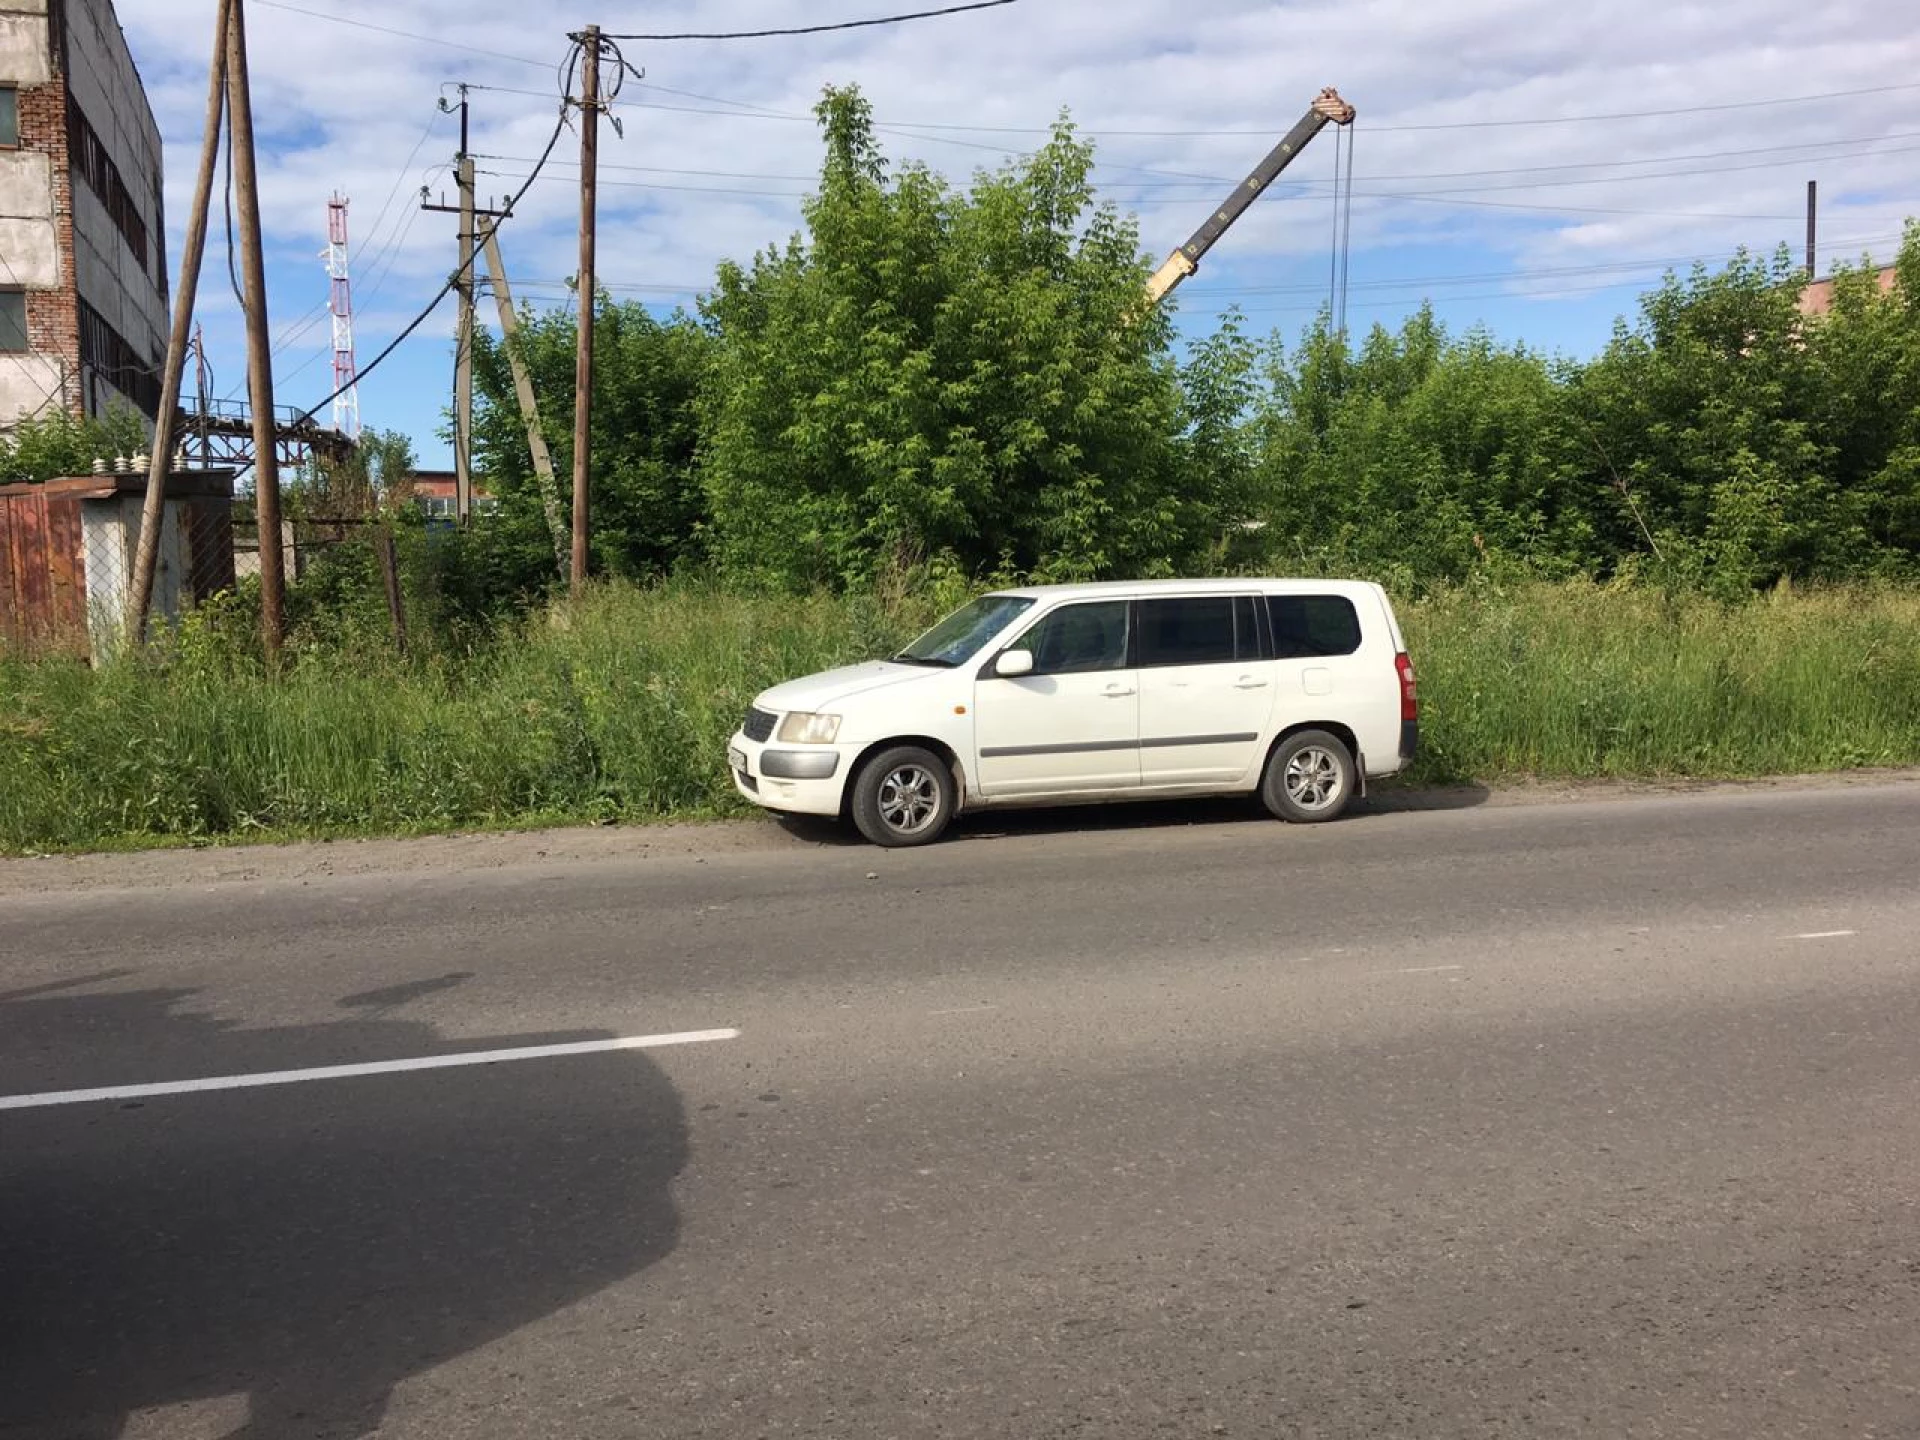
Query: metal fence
(67, 552)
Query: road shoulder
(559, 848)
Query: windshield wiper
(903, 658)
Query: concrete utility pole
(583, 358)
(529, 403)
(266, 460)
(463, 341)
(146, 557)
(463, 285)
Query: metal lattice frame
(346, 404)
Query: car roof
(1241, 585)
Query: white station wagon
(1051, 694)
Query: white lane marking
(964, 1010)
(1825, 934)
(1427, 970)
(372, 1067)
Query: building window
(13, 322)
(9, 117)
(92, 163)
(105, 351)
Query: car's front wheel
(904, 796)
(1309, 777)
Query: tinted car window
(1079, 637)
(1246, 629)
(1193, 631)
(1313, 625)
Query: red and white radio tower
(346, 404)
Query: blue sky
(1526, 166)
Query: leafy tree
(648, 511)
(1720, 438)
(376, 474)
(934, 373)
(1419, 453)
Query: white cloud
(343, 108)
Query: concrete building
(83, 262)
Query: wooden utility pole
(529, 403)
(253, 270)
(390, 575)
(583, 358)
(153, 514)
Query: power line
(1660, 159)
(398, 181)
(1657, 264)
(1448, 124)
(1414, 197)
(291, 334)
(1780, 162)
(466, 264)
(1643, 263)
(746, 110)
(401, 34)
(822, 29)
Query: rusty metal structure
(218, 434)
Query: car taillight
(1409, 699)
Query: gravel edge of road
(489, 850)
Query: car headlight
(801, 728)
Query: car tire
(904, 796)
(1310, 778)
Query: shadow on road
(1389, 797)
(1383, 798)
(309, 1246)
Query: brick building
(83, 263)
(434, 493)
(1816, 296)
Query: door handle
(1113, 692)
(1247, 684)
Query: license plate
(737, 758)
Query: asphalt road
(1564, 1120)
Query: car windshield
(958, 637)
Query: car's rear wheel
(1310, 777)
(904, 796)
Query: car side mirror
(1013, 663)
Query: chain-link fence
(68, 548)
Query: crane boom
(1327, 107)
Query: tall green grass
(1578, 680)
(618, 708)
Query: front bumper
(797, 779)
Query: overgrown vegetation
(968, 377)
(618, 708)
(1692, 554)
(55, 443)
